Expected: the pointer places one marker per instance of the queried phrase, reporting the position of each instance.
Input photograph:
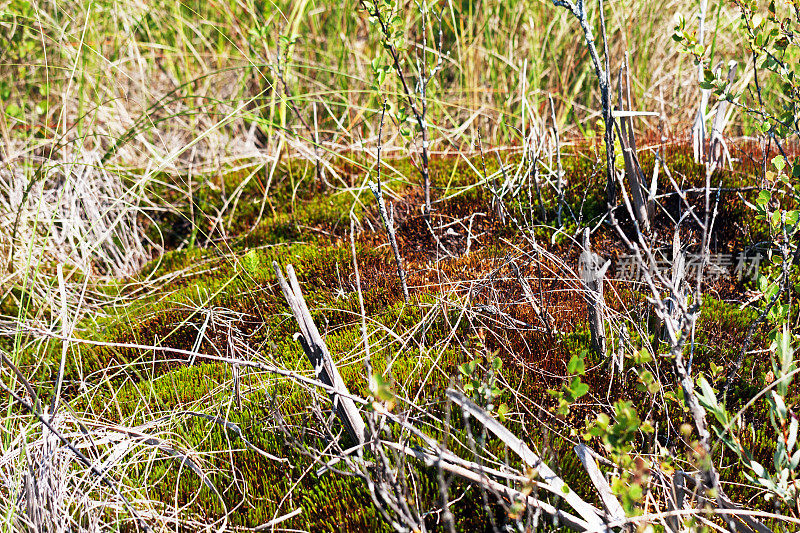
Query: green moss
(223, 244)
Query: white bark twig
(578, 10)
(611, 503)
(388, 222)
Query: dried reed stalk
(642, 205)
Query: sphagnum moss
(304, 227)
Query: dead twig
(319, 356)
(593, 270)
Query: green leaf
(776, 219)
(251, 262)
(779, 457)
(759, 470)
(785, 351)
(642, 356)
(794, 461)
(763, 283)
(467, 368)
(383, 389)
(502, 411)
(707, 393)
(578, 388)
(779, 405)
(576, 365)
(13, 110)
(791, 440)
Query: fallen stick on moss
(512, 495)
(319, 356)
(611, 503)
(275, 521)
(590, 514)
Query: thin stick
(578, 10)
(388, 218)
(560, 170)
(367, 361)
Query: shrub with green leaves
(770, 41)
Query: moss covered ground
(214, 279)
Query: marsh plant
(359, 266)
